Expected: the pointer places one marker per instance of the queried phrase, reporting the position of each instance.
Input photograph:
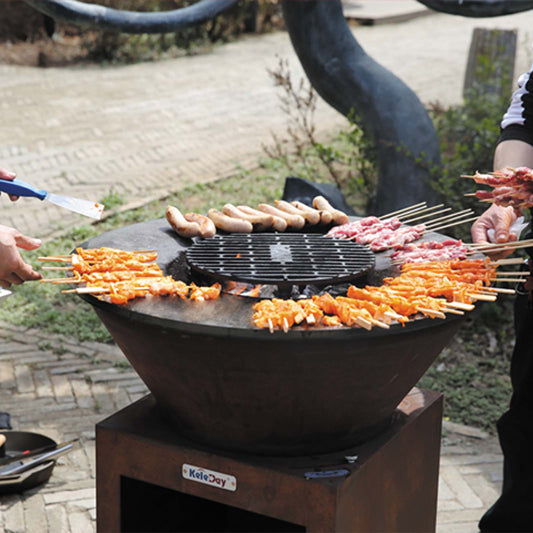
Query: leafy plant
(347, 159)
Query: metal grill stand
(150, 479)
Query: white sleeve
(520, 110)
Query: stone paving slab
(150, 129)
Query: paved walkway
(146, 130)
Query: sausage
(180, 225)
(207, 226)
(278, 223)
(293, 221)
(320, 203)
(229, 224)
(311, 215)
(260, 222)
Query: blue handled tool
(83, 207)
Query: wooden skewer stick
(394, 213)
(58, 268)
(379, 324)
(363, 322)
(461, 305)
(482, 297)
(438, 228)
(497, 249)
(411, 220)
(448, 218)
(88, 290)
(470, 194)
(420, 210)
(509, 261)
(513, 272)
(431, 312)
(453, 311)
(509, 280)
(500, 290)
(56, 258)
(492, 244)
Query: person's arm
(13, 270)
(514, 149)
(511, 153)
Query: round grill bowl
(227, 385)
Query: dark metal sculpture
(479, 8)
(337, 67)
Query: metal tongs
(13, 467)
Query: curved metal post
(105, 18)
(348, 79)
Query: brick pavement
(146, 130)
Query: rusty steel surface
(391, 486)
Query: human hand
(13, 270)
(499, 220)
(7, 175)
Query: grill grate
(282, 259)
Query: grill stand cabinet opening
(148, 478)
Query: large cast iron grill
(227, 384)
(282, 259)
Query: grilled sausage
(207, 226)
(229, 224)
(260, 222)
(180, 225)
(293, 221)
(320, 203)
(311, 215)
(278, 223)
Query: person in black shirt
(513, 511)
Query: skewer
(497, 248)
(470, 194)
(379, 324)
(394, 213)
(363, 322)
(56, 258)
(509, 244)
(500, 290)
(461, 305)
(438, 228)
(509, 261)
(58, 268)
(453, 311)
(432, 312)
(509, 280)
(420, 210)
(482, 297)
(452, 216)
(88, 290)
(411, 220)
